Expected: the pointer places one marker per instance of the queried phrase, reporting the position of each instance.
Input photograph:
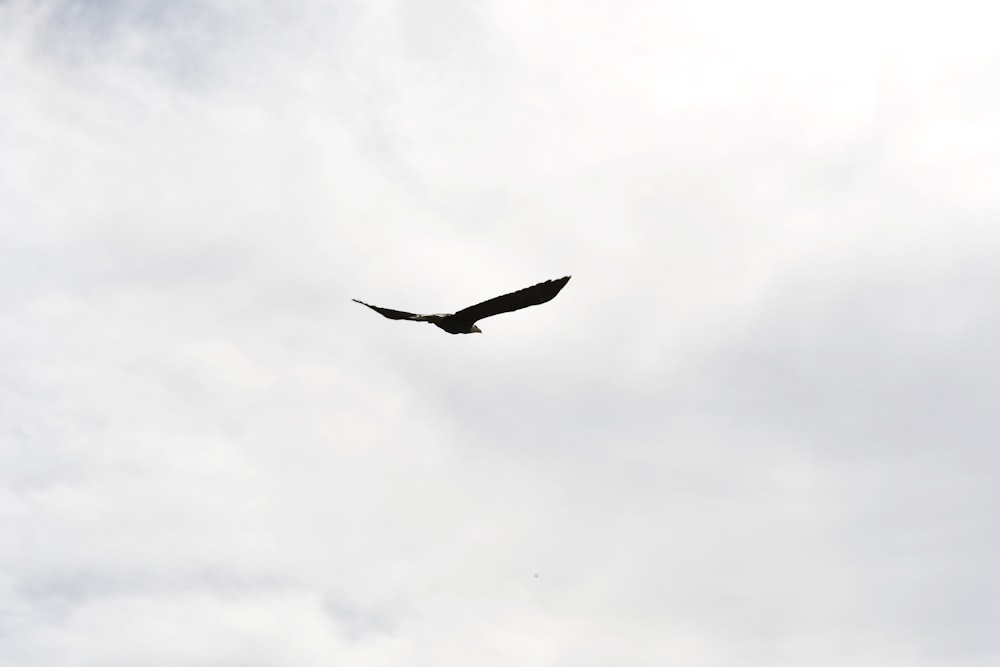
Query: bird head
(475, 329)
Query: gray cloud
(755, 429)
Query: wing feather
(388, 312)
(529, 296)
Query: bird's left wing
(529, 296)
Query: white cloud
(755, 429)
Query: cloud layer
(757, 428)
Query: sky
(758, 428)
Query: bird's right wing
(388, 312)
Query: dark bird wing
(529, 296)
(388, 312)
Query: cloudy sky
(759, 428)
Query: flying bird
(464, 321)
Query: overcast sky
(759, 427)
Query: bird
(464, 321)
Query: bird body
(464, 321)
